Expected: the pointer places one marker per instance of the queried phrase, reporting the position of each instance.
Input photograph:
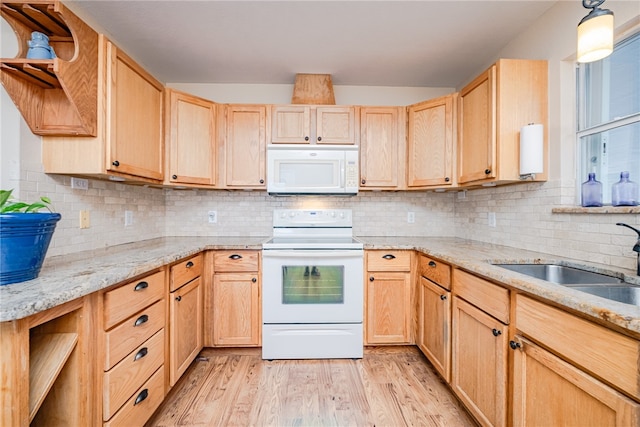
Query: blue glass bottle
(591, 192)
(624, 192)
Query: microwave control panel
(351, 176)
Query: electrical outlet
(213, 217)
(128, 218)
(85, 219)
(491, 219)
(411, 217)
(79, 183)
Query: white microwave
(312, 169)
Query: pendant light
(595, 32)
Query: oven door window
(313, 284)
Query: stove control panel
(312, 218)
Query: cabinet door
(430, 143)
(335, 125)
(434, 326)
(245, 146)
(548, 391)
(388, 309)
(479, 363)
(236, 309)
(135, 118)
(290, 124)
(191, 138)
(186, 327)
(477, 129)
(382, 150)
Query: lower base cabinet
(185, 306)
(434, 326)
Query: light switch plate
(213, 217)
(85, 219)
(128, 218)
(491, 219)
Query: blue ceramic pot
(24, 240)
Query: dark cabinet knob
(496, 332)
(174, 176)
(235, 256)
(487, 171)
(364, 181)
(389, 256)
(319, 138)
(262, 181)
(140, 286)
(443, 297)
(254, 280)
(447, 179)
(142, 353)
(306, 138)
(141, 320)
(189, 264)
(514, 345)
(432, 263)
(141, 396)
(178, 298)
(371, 278)
(115, 163)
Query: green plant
(8, 205)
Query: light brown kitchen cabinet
(480, 342)
(236, 303)
(305, 124)
(492, 109)
(245, 146)
(190, 134)
(128, 145)
(431, 142)
(186, 300)
(388, 297)
(434, 313)
(55, 96)
(382, 148)
(592, 370)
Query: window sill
(600, 210)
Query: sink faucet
(636, 247)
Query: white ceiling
(437, 43)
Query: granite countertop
(65, 278)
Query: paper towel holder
(531, 151)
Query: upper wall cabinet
(245, 147)
(382, 148)
(128, 145)
(492, 109)
(431, 143)
(304, 124)
(55, 96)
(190, 134)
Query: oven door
(312, 286)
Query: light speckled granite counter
(477, 258)
(68, 277)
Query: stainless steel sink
(602, 285)
(561, 274)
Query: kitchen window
(609, 116)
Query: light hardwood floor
(390, 386)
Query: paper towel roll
(531, 149)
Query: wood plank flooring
(390, 386)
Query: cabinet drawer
(235, 261)
(609, 355)
(485, 295)
(132, 297)
(436, 271)
(388, 260)
(185, 271)
(125, 378)
(148, 398)
(122, 339)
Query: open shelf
(48, 354)
(55, 96)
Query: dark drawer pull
(514, 345)
(178, 298)
(235, 256)
(189, 264)
(496, 332)
(443, 297)
(141, 320)
(142, 353)
(389, 256)
(141, 397)
(140, 286)
(432, 264)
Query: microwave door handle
(342, 174)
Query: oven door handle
(302, 253)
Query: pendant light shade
(595, 32)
